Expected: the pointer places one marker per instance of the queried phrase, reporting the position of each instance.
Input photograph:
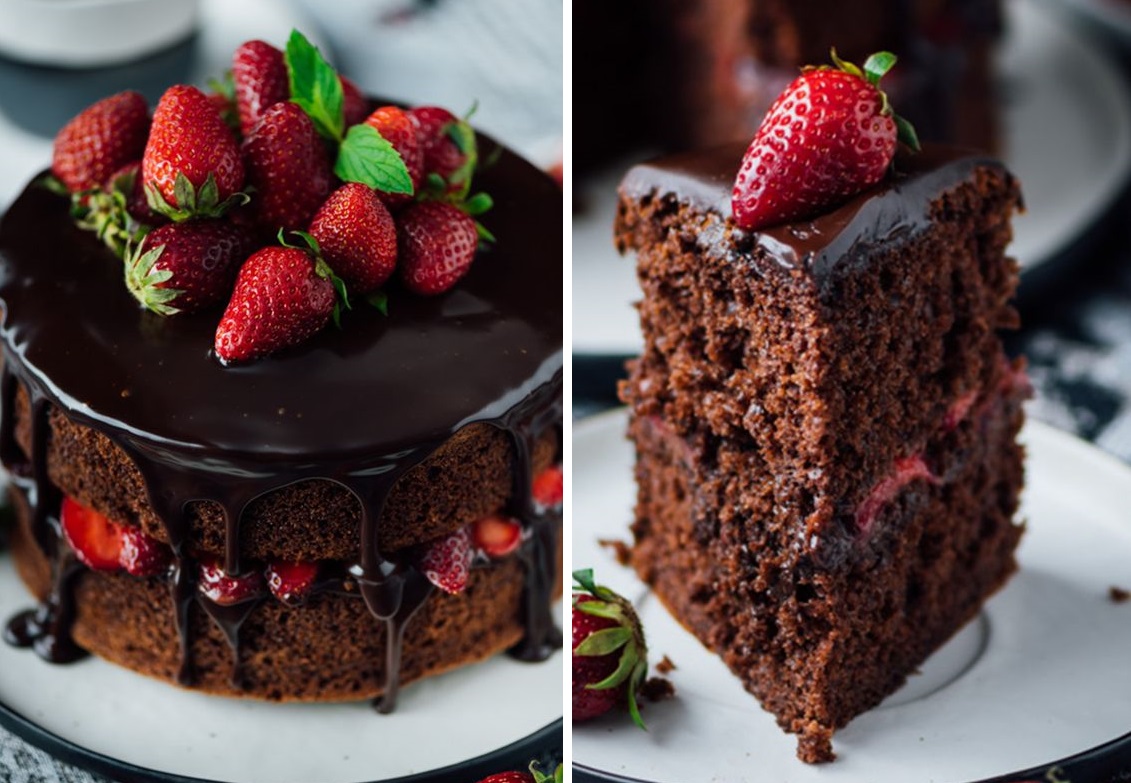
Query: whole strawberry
(397, 127)
(438, 130)
(192, 165)
(437, 243)
(830, 135)
(288, 167)
(260, 79)
(535, 775)
(181, 267)
(282, 297)
(357, 237)
(610, 657)
(100, 140)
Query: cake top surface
(900, 204)
(376, 387)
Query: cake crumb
(665, 666)
(621, 551)
(657, 689)
(1118, 595)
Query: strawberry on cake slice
(824, 419)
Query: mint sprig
(364, 155)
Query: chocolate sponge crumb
(1117, 595)
(657, 689)
(621, 550)
(665, 666)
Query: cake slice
(825, 423)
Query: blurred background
(1043, 84)
(59, 56)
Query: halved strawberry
(496, 535)
(96, 541)
(447, 562)
(141, 555)
(290, 581)
(221, 588)
(547, 488)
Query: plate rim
(1092, 762)
(548, 738)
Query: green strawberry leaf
(634, 683)
(603, 642)
(484, 234)
(53, 184)
(478, 204)
(315, 86)
(366, 157)
(542, 777)
(906, 133)
(379, 300)
(877, 65)
(143, 281)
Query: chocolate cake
(691, 75)
(352, 452)
(825, 424)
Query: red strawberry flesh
(447, 562)
(357, 236)
(397, 127)
(218, 586)
(496, 535)
(141, 555)
(547, 488)
(95, 539)
(291, 581)
(260, 78)
(437, 244)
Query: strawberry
(830, 135)
(355, 106)
(95, 540)
(141, 555)
(442, 155)
(260, 78)
(288, 166)
(396, 127)
(496, 535)
(192, 165)
(182, 267)
(100, 140)
(437, 243)
(356, 236)
(446, 562)
(610, 658)
(282, 297)
(219, 587)
(546, 489)
(291, 581)
(533, 776)
(114, 211)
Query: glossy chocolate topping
(359, 406)
(898, 206)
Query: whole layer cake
(347, 457)
(690, 75)
(825, 424)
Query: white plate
(1042, 675)
(1114, 15)
(105, 709)
(1067, 129)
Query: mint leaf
(366, 157)
(315, 86)
(380, 300)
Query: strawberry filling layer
(903, 472)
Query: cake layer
(329, 649)
(465, 479)
(828, 348)
(817, 644)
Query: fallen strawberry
(260, 79)
(183, 267)
(437, 243)
(215, 584)
(291, 581)
(141, 555)
(357, 237)
(288, 167)
(830, 135)
(533, 776)
(282, 296)
(100, 140)
(192, 165)
(447, 562)
(95, 539)
(610, 657)
(496, 535)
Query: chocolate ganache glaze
(359, 406)
(822, 246)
